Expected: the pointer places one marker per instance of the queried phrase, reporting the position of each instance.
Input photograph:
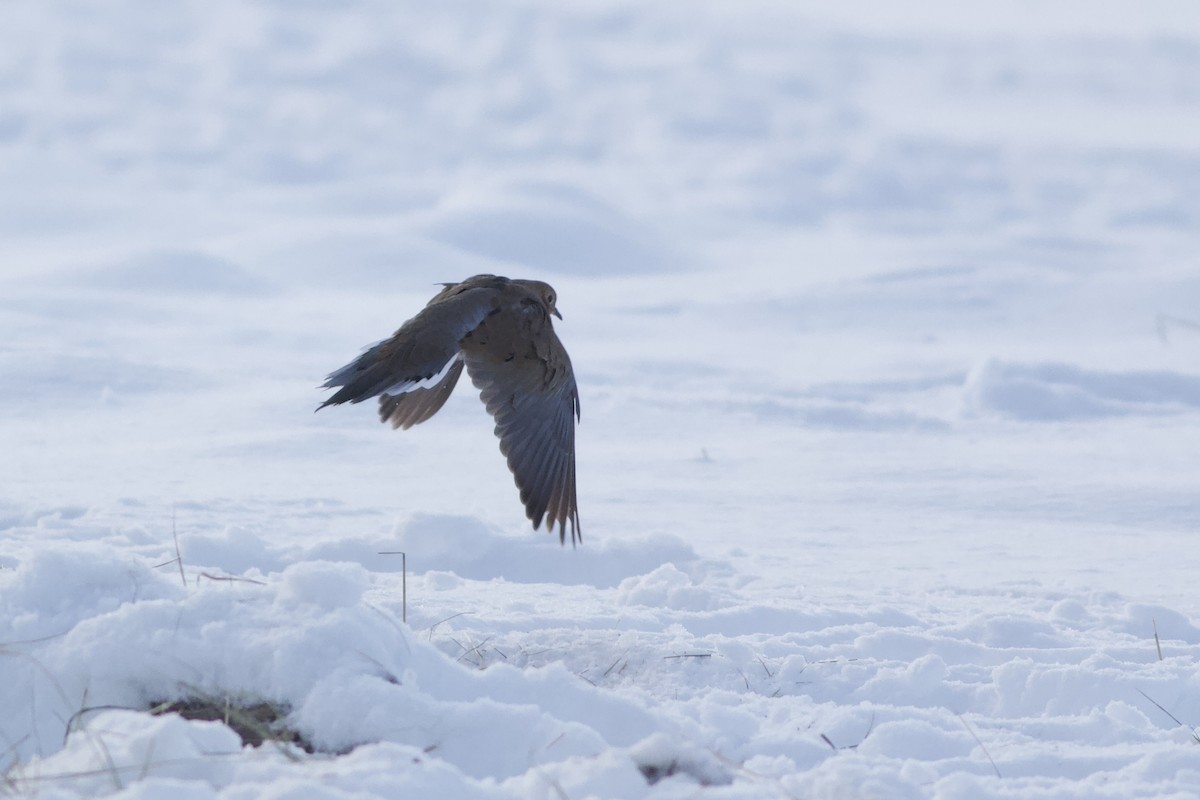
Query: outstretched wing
(525, 379)
(420, 402)
(418, 353)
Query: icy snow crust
(885, 326)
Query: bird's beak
(555, 313)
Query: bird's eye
(550, 299)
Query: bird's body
(500, 330)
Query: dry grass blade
(232, 579)
(613, 665)
(403, 581)
(476, 649)
(870, 727)
(73, 720)
(19, 783)
(46, 673)
(8, 751)
(1175, 719)
(979, 742)
(178, 554)
(392, 621)
(447, 619)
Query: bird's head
(544, 292)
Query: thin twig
(690, 655)
(1157, 644)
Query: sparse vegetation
(255, 721)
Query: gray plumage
(500, 330)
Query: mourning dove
(500, 330)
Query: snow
(884, 323)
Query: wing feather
(525, 380)
(418, 404)
(418, 351)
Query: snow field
(884, 322)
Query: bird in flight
(500, 330)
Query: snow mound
(1046, 392)
(470, 548)
(304, 639)
(667, 587)
(121, 747)
(463, 545)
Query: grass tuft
(255, 722)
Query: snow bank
(304, 639)
(696, 683)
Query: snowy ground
(887, 327)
